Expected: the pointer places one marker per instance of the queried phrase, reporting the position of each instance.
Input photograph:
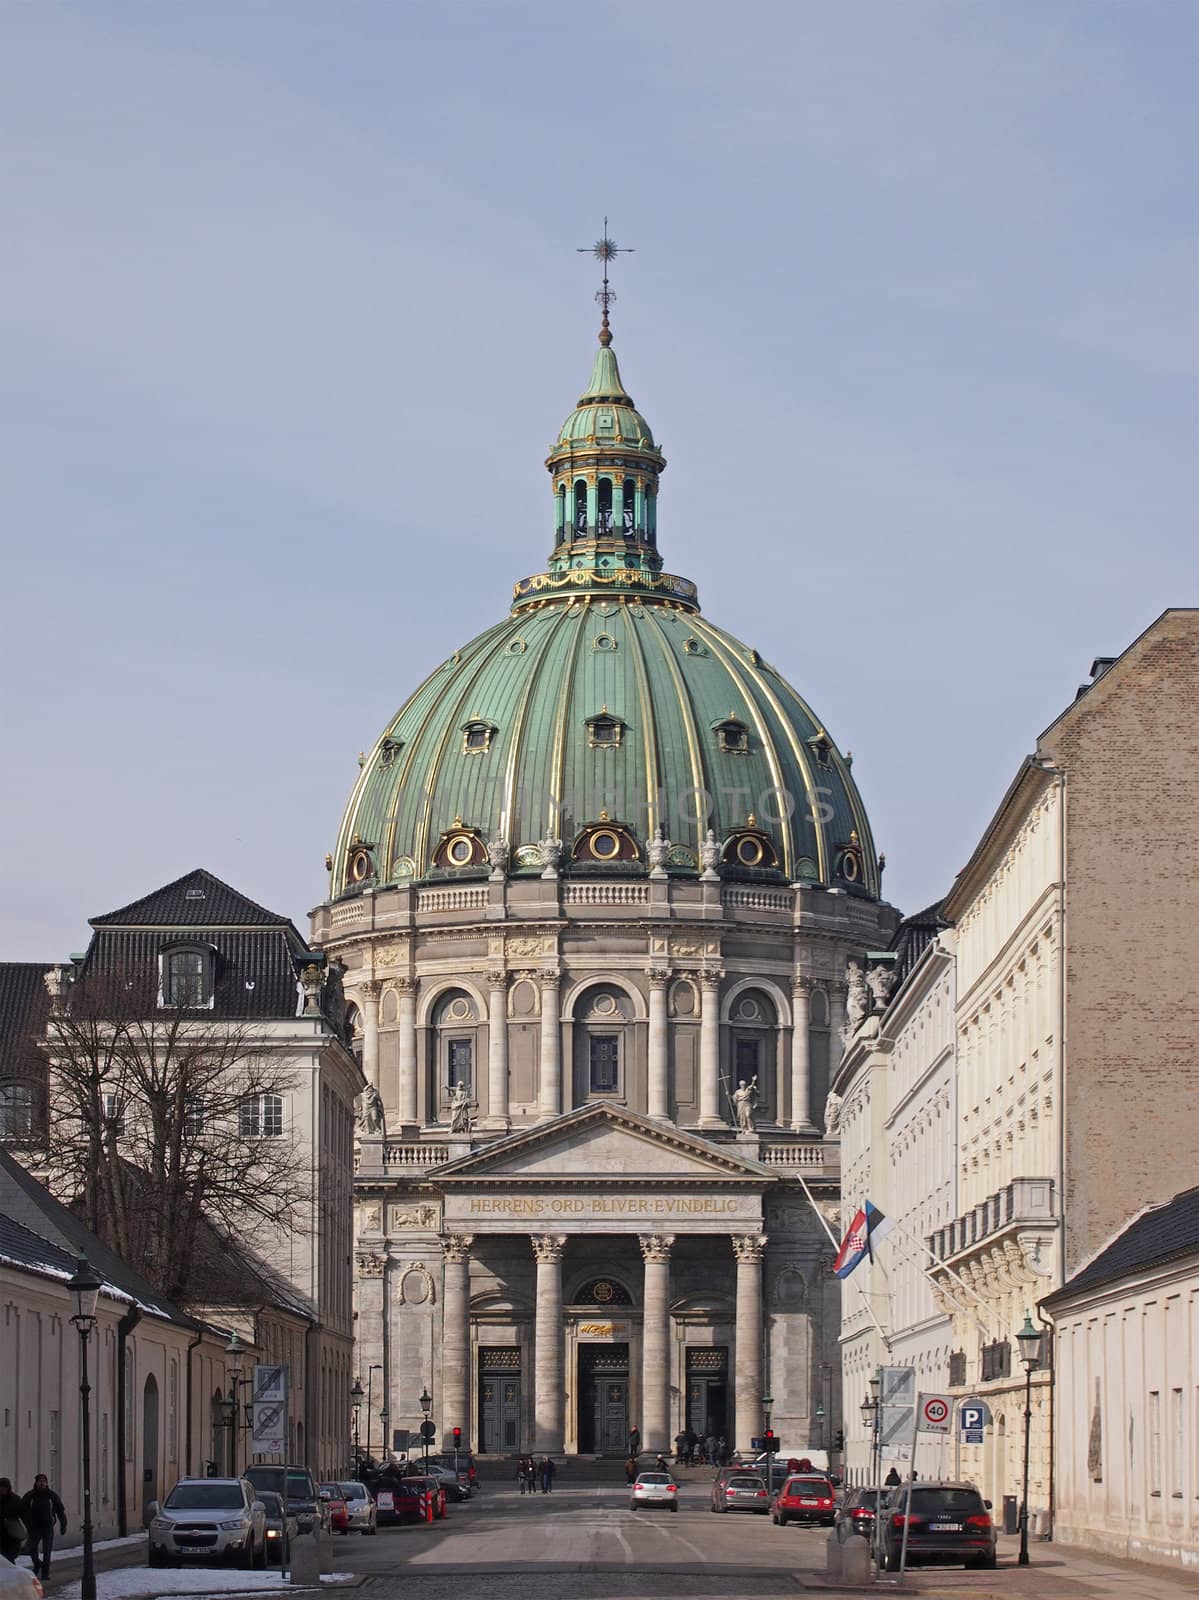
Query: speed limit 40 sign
(933, 1413)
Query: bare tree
(167, 1125)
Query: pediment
(598, 1142)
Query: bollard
(324, 1545)
(305, 1561)
(832, 1555)
(856, 1566)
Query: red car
(804, 1499)
(430, 1489)
(335, 1504)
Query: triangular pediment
(597, 1142)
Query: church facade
(595, 893)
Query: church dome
(605, 727)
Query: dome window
(460, 847)
(629, 507)
(388, 751)
(605, 505)
(732, 736)
(603, 641)
(749, 847)
(605, 732)
(821, 747)
(849, 863)
(603, 842)
(360, 866)
(580, 508)
(477, 736)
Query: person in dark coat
(892, 1480)
(41, 1510)
(547, 1474)
(631, 1470)
(13, 1531)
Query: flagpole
(836, 1244)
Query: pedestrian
(722, 1451)
(892, 1480)
(634, 1440)
(680, 1447)
(630, 1470)
(13, 1532)
(710, 1449)
(547, 1474)
(520, 1473)
(42, 1508)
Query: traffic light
(770, 1440)
(457, 1438)
(839, 1439)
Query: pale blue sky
(291, 311)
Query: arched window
(560, 522)
(753, 1034)
(630, 508)
(454, 1047)
(16, 1111)
(602, 1039)
(260, 1116)
(185, 976)
(580, 509)
(605, 506)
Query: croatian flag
(869, 1223)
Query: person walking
(680, 1447)
(547, 1474)
(634, 1440)
(630, 1470)
(41, 1510)
(13, 1531)
(892, 1480)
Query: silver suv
(213, 1519)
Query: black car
(855, 1514)
(298, 1486)
(945, 1522)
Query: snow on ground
(149, 1583)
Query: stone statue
(857, 1003)
(709, 856)
(832, 1113)
(745, 1098)
(370, 1110)
(461, 1106)
(310, 985)
(881, 981)
(336, 1013)
(498, 851)
(658, 850)
(551, 853)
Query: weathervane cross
(605, 249)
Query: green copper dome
(605, 708)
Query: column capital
(368, 989)
(549, 977)
(658, 977)
(709, 977)
(404, 986)
(457, 1248)
(656, 1247)
(548, 1247)
(748, 1248)
(497, 978)
(802, 983)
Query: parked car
(806, 1499)
(18, 1583)
(654, 1489)
(399, 1500)
(278, 1523)
(855, 1514)
(740, 1491)
(465, 1463)
(454, 1483)
(208, 1519)
(433, 1487)
(298, 1488)
(335, 1506)
(945, 1522)
(360, 1508)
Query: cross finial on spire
(605, 250)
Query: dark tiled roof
(30, 1205)
(913, 937)
(1156, 1236)
(197, 900)
(23, 1002)
(255, 968)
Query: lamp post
(370, 1396)
(357, 1394)
(234, 1352)
(85, 1285)
(1029, 1340)
(426, 1406)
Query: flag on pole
(869, 1223)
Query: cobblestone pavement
(585, 1544)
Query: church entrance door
(499, 1403)
(603, 1390)
(707, 1392)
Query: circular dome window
(604, 846)
(749, 852)
(360, 866)
(460, 850)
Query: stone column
(368, 1000)
(405, 989)
(659, 1071)
(747, 1375)
(551, 1046)
(836, 1021)
(548, 1338)
(454, 1404)
(801, 1066)
(497, 1050)
(655, 1343)
(709, 1049)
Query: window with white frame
(1155, 1442)
(260, 1116)
(187, 975)
(16, 1111)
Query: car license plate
(945, 1527)
(807, 1502)
(189, 1544)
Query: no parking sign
(933, 1413)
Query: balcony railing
(1023, 1201)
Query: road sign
(973, 1415)
(270, 1383)
(428, 1430)
(898, 1386)
(268, 1432)
(973, 1436)
(895, 1425)
(933, 1412)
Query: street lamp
(1029, 1340)
(426, 1406)
(85, 1286)
(234, 1351)
(820, 1420)
(357, 1395)
(370, 1395)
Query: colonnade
(550, 1101)
(549, 1340)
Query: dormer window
(476, 737)
(185, 976)
(605, 732)
(821, 747)
(732, 736)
